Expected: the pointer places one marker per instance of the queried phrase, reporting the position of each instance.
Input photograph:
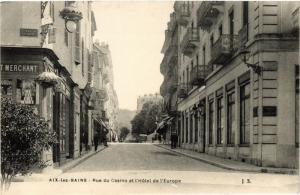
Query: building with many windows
(46, 65)
(148, 98)
(231, 73)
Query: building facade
(156, 98)
(111, 105)
(35, 41)
(237, 65)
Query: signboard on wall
(30, 68)
(27, 32)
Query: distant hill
(124, 118)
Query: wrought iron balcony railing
(208, 12)
(182, 90)
(183, 13)
(199, 73)
(223, 49)
(190, 41)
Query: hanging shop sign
(19, 68)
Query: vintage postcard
(149, 97)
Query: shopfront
(20, 68)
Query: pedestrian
(174, 138)
(96, 140)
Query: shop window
(191, 129)
(196, 127)
(220, 120)
(297, 106)
(230, 117)
(7, 87)
(186, 129)
(210, 121)
(245, 113)
(26, 91)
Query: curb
(257, 170)
(80, 160)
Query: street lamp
(245, 55)
(71, 15)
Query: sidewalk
(56, 171)
(226, 163)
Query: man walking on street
(96, 140)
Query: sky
(135, 32)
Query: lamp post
(245, 55)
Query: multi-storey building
(111, 105)
(237, 79)
(49, 67)
(156, 98)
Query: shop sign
(27, 32)
(19, 68)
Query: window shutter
(51, 35)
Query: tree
(145, 121)
(124, 131)
(24, 136)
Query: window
(191, 129)
(197, 60)
(297, 107)
(52, 10)
(211, 41)
(69, 3)
(220, 120)
(231, 23)
(26, 91)
(182, 129)
(52, 35)
(246, 16)
(245, 12)
(220, 30)
(203, 53)
(66, 37)
(230, 117)
(210, 122)
(196, 127)
(245, 113)
(186, 129)
(82, 57)
(7, 87)
(77, 44)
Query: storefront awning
(162, 125)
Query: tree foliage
(24, 136)
(145, 121)
(124, 131)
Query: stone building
(231, 74)
(36, 35)
(111, 105)
(147, 98)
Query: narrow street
(141, 157)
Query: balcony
(183, 13)
(172, 54)
(223, 49)
(105, 76)
(208, 13)
(163, 88)
(102, 94)
(182, 90)
(295, 20)
(243, 36)
(172, 85)
(172, 23)
(190, 41)
(199, 73)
